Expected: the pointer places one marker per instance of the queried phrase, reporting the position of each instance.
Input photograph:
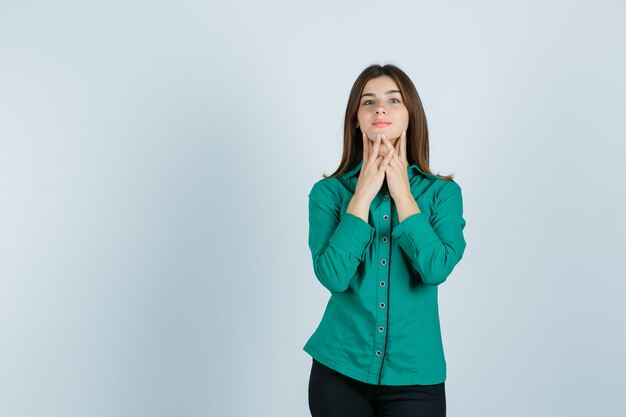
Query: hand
(397, 169)
(373, 170)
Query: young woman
(384, 233)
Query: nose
(381, 110)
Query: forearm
(359, 207)
(406, 206)
(336, 259)
(435, 243)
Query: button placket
(383, 228)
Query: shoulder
(448, 193)
(449, 186)
(325, 190)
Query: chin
(391, 136)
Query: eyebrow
(386, 93)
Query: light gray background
(155, 162)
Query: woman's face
(382, 109)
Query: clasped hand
(393, 166)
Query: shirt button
(382, 283)
(383, 261)
(385, 197)
(381, 329)
(378, 353)
(385, 239)
(385, 217)
(382, 305)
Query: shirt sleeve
(434, 247)
(337, 243)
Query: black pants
(332, 394)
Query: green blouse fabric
(381, 323)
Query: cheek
(360, 119)
(403, 116)
(403, 125)
(396, 132)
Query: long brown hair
(416, 134)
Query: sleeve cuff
(414, 232)
(353, 234)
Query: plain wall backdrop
(155, 163)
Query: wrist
(360, 201)
(406, 207)
(405, 199)
(359, 207)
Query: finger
(387, 142)
(376, 146)
(396, 162)
(366, 149)
(402, 165)
(378, 160)
(393, 161)
(388, 158)
(402, 153)
(398, 144)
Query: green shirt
(381, 323)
